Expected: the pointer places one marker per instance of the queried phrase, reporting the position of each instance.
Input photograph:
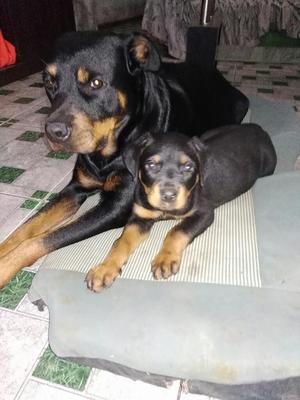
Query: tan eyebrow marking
(52, 69)
(83, 75)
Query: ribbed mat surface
(226, 253)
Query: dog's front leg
(25, 245)
(135, 232)
(167, 262)
(113, 212)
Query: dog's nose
(168, 194)
(58, 130)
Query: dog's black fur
(105, 91)
(183, 178)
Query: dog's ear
(141, 54)
(198, 145)
(132, 153)
(201, 153)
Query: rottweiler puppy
(186, 179)
(105, 91)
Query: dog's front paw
(165, 264)
(101, 277)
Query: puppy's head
(91, 82)
(168, 169)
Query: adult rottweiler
(182, 178)
(105, 90)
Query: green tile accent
(24, 100)
(297, 98)
(37, 84)
(39, 194)
(29, 204)
(9, 174)
(249, 62)
(275, 66)
(30, 136)
(280, 83)
(265, 90)
(57, 370)
(43, 110)
(263, 72)
(249, 77)
(61, 155)
(5, 92)
(13, 293)
(293, 77)
(9, 122)
(52, 196)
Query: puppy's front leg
(167, 262)
(135, 232)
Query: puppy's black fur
(105, 92)
(183, 178)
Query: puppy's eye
(49, 84)
(187, 167)
(96, 83)
(152, 166)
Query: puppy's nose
(168, 194)
(58, 130)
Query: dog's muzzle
(57, 131)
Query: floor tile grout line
(31, 370)
(28, 314)
(79, 393)
(23, 314)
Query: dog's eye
(49, 84)
(96, 83)
(187, 167)
(152, 166)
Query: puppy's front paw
(165, 264)
(101, 277)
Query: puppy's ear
(141, 54)
(133, 151)
(198, 145)
(201, 152)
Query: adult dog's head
(92, 82)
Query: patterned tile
(29, 204)
(26, 307)
(9, 174)
(263, 72)
(249, 77)
(24, 100)
(37, 390)
(37, 85)
(43, 110)
(57, 370)
(61, 155)
(30, 136)
(5, 92)
(190, 396)
(9, 122)
(13, 293)
(39, 194)
(293, 77)
(114, 387)
(265, 90)
(279, 83)
(275, 66)
(22, 340)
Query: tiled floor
(29, 175)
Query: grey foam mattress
(229, 322)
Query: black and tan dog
(105, 91)
(186, 179)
